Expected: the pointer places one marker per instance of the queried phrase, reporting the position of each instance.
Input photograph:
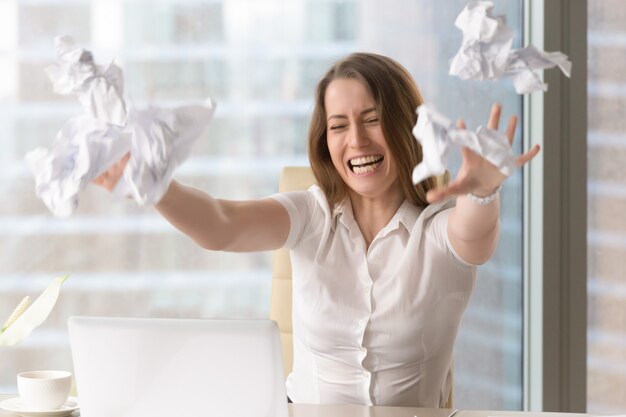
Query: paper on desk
(438, 136)
(486, 51)
(159, 140)
(22, 323)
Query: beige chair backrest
(291, 179)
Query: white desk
(302, 410)
(305, 410)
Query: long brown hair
(397, 97)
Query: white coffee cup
(44, 390)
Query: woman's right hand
(226, 225)
(109, 178)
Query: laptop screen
(130, 367)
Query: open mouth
(365, 164)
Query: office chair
(294, 179)
(291, 179)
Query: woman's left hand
(477, 175)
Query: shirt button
(363, 349)
(361, 322)
(366, 374)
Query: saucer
(14, 405)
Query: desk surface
(307, 410)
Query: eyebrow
(342, 116)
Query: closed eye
(372, 120)
(337, 127)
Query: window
(260, 60)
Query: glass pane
(606, 186)
(260, 60)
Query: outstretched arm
(473, 229)
(237, 226)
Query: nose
(358, 138)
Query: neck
(372, 214)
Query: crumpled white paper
(100, 89)
(523, 63)
(159, 140)
(486, 52)
(82, 150)
(438, 136)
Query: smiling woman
(371, 257)
(366, 97)
(261, 60)
(357, 146)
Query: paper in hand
(83, 149)
(159, 140)
(438, 136)
(486, 51)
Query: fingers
(441, 193)
(103, 181)
(494, 122)
(111, 176)
(494, 117)
(510, 129)
(523, 159)
(467, 153)
(436, 195)
(461, 124)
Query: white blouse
(373, 326)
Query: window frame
(555, 215)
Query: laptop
(131, 367)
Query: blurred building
(606, 276)
(260, 60)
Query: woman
(382, 269)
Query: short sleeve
(437, 231)
(298, 206)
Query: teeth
(365, 160)
(365, 169)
